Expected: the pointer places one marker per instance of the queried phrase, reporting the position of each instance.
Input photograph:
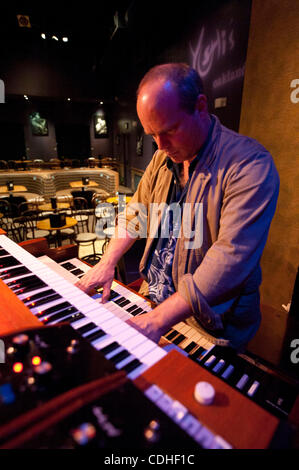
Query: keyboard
(53, 299)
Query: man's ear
(201, 103)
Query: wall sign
(217, 50)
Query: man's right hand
(100, 275)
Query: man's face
(175, 131)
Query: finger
(106, 292)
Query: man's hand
(148, 324)
(156, 323)
(100, 275)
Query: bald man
(219, 188)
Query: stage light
(17, 367)
(55, 37)
(43, 36)
(65, 39)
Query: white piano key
(134, 340)
(242, 382)
(143, 348)
(190, 424)
(154, 356)
(228, 371)
(153, 392)
(252, 390)
(114, 352)
(124, 362)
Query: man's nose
(161, 141)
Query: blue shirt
(159, 266)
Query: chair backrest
(12, 164)
(8, 210)
(76, 163)
(79, 204)
(87, 194)
(18, 229)
(4, 165)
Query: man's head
(173, 109)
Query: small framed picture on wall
(39, 125)
(100, 126)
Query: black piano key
(110, 347)
(120, 356)
(75, 317)
(54, 309)
(3, 252)
(23, 281)
(124, 303)
(179, 339)
(136, 311)
(68, 266)
(44, 300)
(77, 271)
(22, 290)
(85, 328)
(9, 273)
(133, 307)
(190, 346)
(171, 335)
(112, 295)
(131, 365)
(60, 315)
(7, 261)
(198, 353)
(32, 287)
(120, 300)
(39, 295)
(95, 335)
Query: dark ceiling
(114, 42)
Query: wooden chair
(80, 212)
(4, 165)
(30, 219)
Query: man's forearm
(102, 273)
(119, 244)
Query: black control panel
(266, 389)
(42, 404)
(42, 363)
(121, 419)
